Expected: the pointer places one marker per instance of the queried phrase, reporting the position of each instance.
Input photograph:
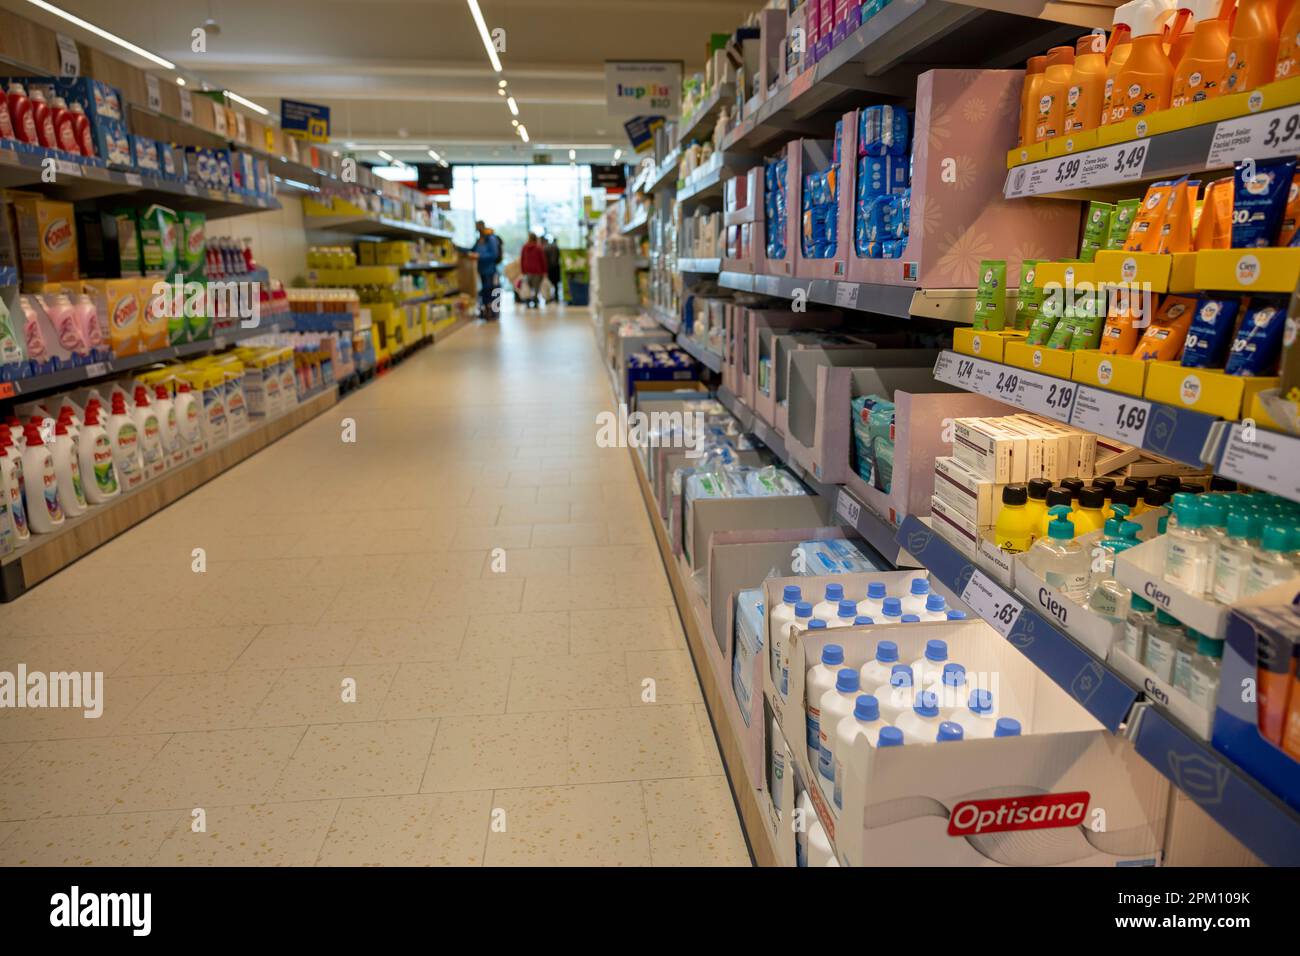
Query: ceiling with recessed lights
(409, 75)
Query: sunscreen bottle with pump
(1051, 96)
(1087, 86)
(1252, 46)
(1118, 48)
(1029, 99)
(1288, 47)
(1144, 84)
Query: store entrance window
(514, 200)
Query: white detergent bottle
(11, 485)
(978, 718)
(820, 852)
(44, 510)
(829, 606)
(783, 613)
(95, 451)
(125, 438)
(936, 609)
(896, 695)
(846, 615)
(836, 704)
(953, 690)
(174, 446)
(863, 723)
(874, 602)
(1007, 727)
(877, 671)
(189, 418)
(948, 732)
(891, 612)
(821, 678)
(914, 600)
(150, 432)
(781, 639)
(927, 670)
(920, 725)
(67, 471)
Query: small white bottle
(862, 620)
(874, 602)
(150, 432)
(1188, 551)
(821, 678)
(877, 671)
(895, 696)
(920, 725)
(910, 619)
(781, 639)
(1007, 727)
(67, 471)
(808, 816)
(927, 670)
(978, 718)
(829, 606)
(936, 609)
(863, 723)
(782, 613)
(95, 452)
(952, 688)
(891, 612)
(846, 614)
(44, 509)
(914, 600)
(125, 439)
(820, 852)
(954, 615)
(836, 704)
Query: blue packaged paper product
(839, 138)
(892, 248)
(1210, 333)
(1259, 339)
(900, 178)
(873, 176)
(749, 644)
(882, 131)
(1258, 202)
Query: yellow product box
(47, 239)
(366, 253)
(396, 253)
(153, 317)
(1039, 358)
(1247, 270)
(1270, 96)
(1257, 409)
(1140, 127)
(1204, 390)
(1069, 143)
(1117, 373)
(119, 300)
(1065, 274)
(1147, 270)
(1029, 153)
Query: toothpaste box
(47, 243)
(963, 491)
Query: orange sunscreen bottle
(1051, 95)
(1144, 84)
(1199, 74)
(1252, 47)
(1117, 51)
(1288, 47)
(1087, 89)
(1029, 99)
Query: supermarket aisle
(473, 563)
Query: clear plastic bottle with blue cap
(1060, 560)
(936, 608)
(848, 610)
(891, 612)
(874, 602)
(914, 600)
(821, 678)
(920, 724)
(829, 606)
(979, 716)
(895, 696)
(849, 761)
(1007, 727)
(877, 670)
(949, 732)
(953, 690)
(836, 704)
(927, 670)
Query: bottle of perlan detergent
(67, 470)
(1200, 71)
(1252, 46)
(1144, 84)
(65, 127)
(125, 438)
(96, 454)
(20, 115)
(1052, 93)
(44, 510)
(1087, 87)
(146, 423)
(12, 485)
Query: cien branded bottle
(1141, 614)
(1061, 561)
(1199, 72)
(1252, 46)
(1086, 90)
(1271, 564)
(1203, 682)
(1163, 639)
(1189, 553)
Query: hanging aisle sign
(307, 120)
(643, 87)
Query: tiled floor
(426, 647)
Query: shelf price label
(1268, 461)
(846, 295)
(67, 168)
(69, 57)
(187, 106)
(1044, 395)
(991, 602)
(1110, 413)
(96, 369)
(1093, 167)
(848, 508)
(153, 93)
(1261, 136)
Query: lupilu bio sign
(643, 87)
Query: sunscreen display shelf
(1223, 790)
(900, 301)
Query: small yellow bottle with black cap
(1088, 516)
(1014, 528)
(1036, 504)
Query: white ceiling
(418, 66)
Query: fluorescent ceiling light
(395, 174)
(618, 154)
(573, 154)
(433, 154)
(514, 122)
(514, 107)
(479, 22)
(180, 81)
(385, 156)
(249, 103)
(113, 37)
(523, 133)
(501, 83)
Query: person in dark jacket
(553, 264)
(489, 250)
(532, 263)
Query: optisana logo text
(134, 910)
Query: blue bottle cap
(846, 681)
(876, 590)
(981, 701)
(835, 593)
(816, 623)
(863, 619)
(848, 608)
(791, 594)
(911, 619)
(954, 675)
(934, 602)
(949, 731)
(867, 708)
(926, 704)
(900, 675)
(1007, 727)
(893, 607)
(920, 586)
(936, 650)
(890, 737)
(956, 615)
(832, 654)
(802, 609)
(886, 652)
